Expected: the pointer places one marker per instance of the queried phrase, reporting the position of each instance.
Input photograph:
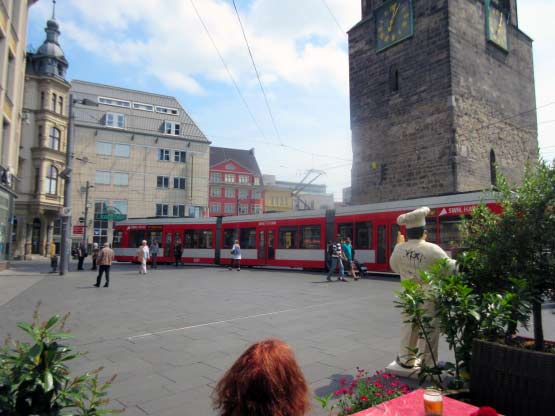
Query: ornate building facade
(13, 35)
(442, 97)
(43, 147)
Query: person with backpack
(336, 254)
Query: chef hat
(414, 219)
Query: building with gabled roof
(236, 186)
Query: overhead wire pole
(257, 74)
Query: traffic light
(81, 220)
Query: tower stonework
(442, 98)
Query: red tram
(298, 238)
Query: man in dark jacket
(81, 254)
(177, 252)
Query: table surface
(412, 404)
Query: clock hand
(393, 18)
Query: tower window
(492, 168)
(393, 78)
(54, 142)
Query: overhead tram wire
(257, 74)
(333, 17)
(228, 70)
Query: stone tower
(442, 97)
(42, 155)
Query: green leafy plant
(363, 392)
(35, 380)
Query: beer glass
(433, 402)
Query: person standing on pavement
(81, 254)
(104, 260)
(178, 252)
(336, 257)
(154, 250)
(235, 256)
(94, 255)
(348, 255)
(143, 255)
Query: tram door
(382, 247)
(266, 250)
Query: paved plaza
(170, 335)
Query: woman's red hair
(264, 381)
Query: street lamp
(65, 249)
(85, 228)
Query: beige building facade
(283, 196)
(13, 34)
(140, 154)
(42, 155)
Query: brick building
(442, 97)
(235, 183)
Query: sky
(301, 56)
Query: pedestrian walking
(235, 256)
(104, 260)
(178, 252)
(348, 254)
(154, 250)
(95, 251)
(336, 254)
(81, 254)
(143, 255)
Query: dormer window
(172, 128)
(114, 120)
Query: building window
(163, 154)
(161, 210)
(229, 208)
(215, 177)
(215, 207)
(167, 110)
(256, 180)
(104, 148)
(229, 193)
(53, 102)
(115, 120)
(179, 183)
(179, 156)
(243, 194)
(256, 194)
(114, 102)
(121, 179)
(37, 180)
(492, 168)
(51, 184)
(215, 191)
(54, 142)
(243, 179)
(229, 178)
(394, 78)
(179, 210)
(243, 209)
(100, 225)
(61, 105)
(144, 107)
(122, 150)
(163, 182)
(171, 127)
(257, 209)
(102, 177)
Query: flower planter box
(516, 382)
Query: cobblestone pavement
(170, 335)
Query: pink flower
(404, 390)
(390, 392)
(386, 376)
(378, 384)
(348, 409)
(377, 394)
(343, 381)
(360, 370)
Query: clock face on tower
(496, 27)
(393, 23)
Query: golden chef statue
(408, 259)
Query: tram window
(363, 238)
(205, 239)
(394, 231)
(431, 228)
(168, 242)
(117, 239)
(248, 238)
(136, 237)
(345, 230)
(230, 235)
(153, 235)
(287, 237)
(449, 234)
(191, 240)
(310, 236)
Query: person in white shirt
(143, 255)
(408, 259)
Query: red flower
(377, 394)
(378, 384)
(404, 390)
(386, 376)
(390, 392)
(348, 409)
(343, 381)
(485, 411)
(364, 398)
